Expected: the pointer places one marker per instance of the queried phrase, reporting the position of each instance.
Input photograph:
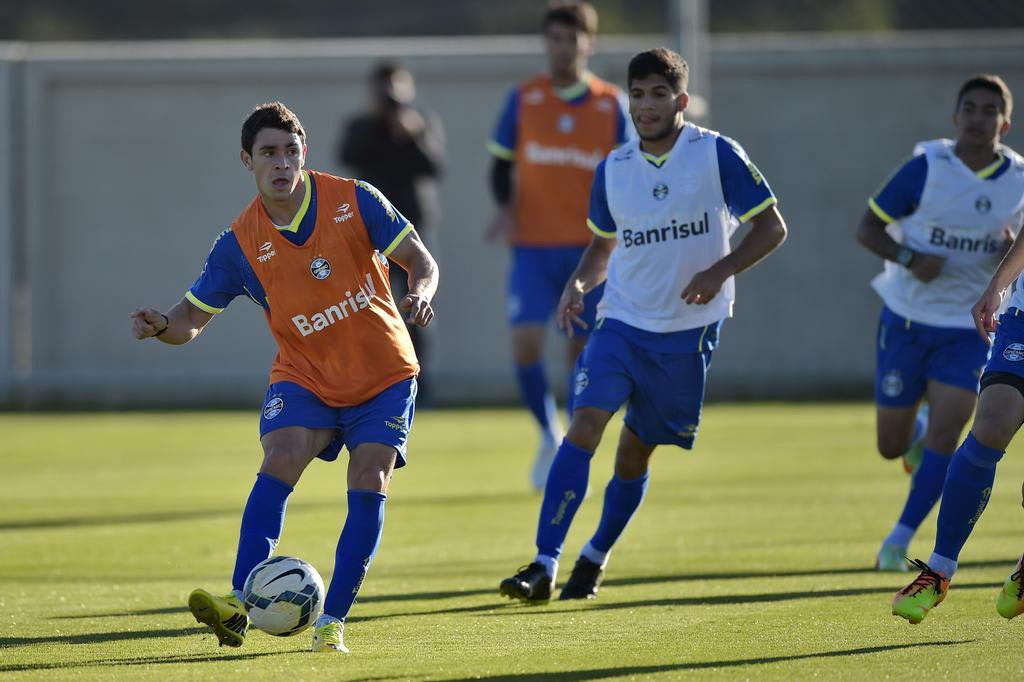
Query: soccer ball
(283, 596)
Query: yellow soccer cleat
(328, 635)
(1010, 602)
(927, 591)
(225, 615)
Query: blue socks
(357, 546)
(534, 390)
(262, 523)
(925, 491)
(566, 486)
(965, 496)
(621, 500)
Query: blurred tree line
(183, 19)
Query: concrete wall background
(131, 170)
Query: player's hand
(570, 308)
(418, 310)
(502, 227)
(1008, 238)
(406, 122)
(704, 286)
(984, 313)
(926, 267)
(147, 322)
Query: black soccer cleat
(583, 582)
(531, 584)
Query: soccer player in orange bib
(311, 249)
(553, 131)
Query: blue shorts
(535, 283)
(664, 387)
(911, 354)
(1008, 346)
(385, 418)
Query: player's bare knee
(943, 439)
(283, 463)
(586, 428)
(631, 465)
(369, 477)
(994, 430)
(891, 447)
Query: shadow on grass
(607, 673)
(99, 637)
(162, 611)
(725, 599)
(154, 660)
(686, 577)
(236, 512)
(805, 573)
(498, 603)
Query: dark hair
(577, 14)
(270, 115)
(990, 82)
(384, 71)
(660, 61)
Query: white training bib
(671, 223)
(962, 218)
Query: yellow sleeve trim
(202, 306)
(877, 210)
(397, 240)
(501, 151)
(757, 209)
(598, 231)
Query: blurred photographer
(399, 148)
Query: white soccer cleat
(329, 635)
(542, 463)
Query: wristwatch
(905, 256)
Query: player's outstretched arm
(591, 271)
(872, 235)
(987, 307)
(179, 325)
(413, 256)
(767, 232)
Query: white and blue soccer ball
(283, 596)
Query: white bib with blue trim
(671, 223)
(962, 218)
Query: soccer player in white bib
(968, 483)
(941, 222)
(662, 209)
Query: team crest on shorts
(582, 380)
(273, 408)
(892, 384)
(1014, 352)
(320, 268)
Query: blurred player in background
(662, 210)
(553, 131)
(941, 222)
(398, 147)
(983, 116)
(311, 250)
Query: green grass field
(751, 557)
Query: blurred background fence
(122, 167)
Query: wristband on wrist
(905, 256)
(167, 325)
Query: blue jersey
(227, 273)
(745, 191)
(900, 196)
